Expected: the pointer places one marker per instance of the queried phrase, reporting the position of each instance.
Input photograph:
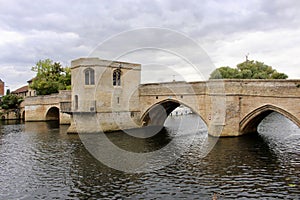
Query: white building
(181, 110)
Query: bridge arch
(251, 121)
(52, 114)
(157, 113)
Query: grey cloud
(65, 30)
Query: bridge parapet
(62, 96)
(171, 88)
(272, 88)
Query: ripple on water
(40, 162)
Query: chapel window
(89, 76)
(117, 77)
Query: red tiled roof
(20, 90)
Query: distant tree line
(249, 69)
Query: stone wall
(235, 105)
(9, 115)
(112, 105)
(189, 94)
(232, 107)
(36, 107)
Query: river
(39, 160)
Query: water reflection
(141, 145)
(40, 161)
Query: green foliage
(10, 101)
(224, 72)
(249, 69)
(50, 77)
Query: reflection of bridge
(104, 100)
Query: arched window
(89, 76)
(117, 77)
(76, 102)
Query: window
(117, 77)
(89, 76)
(76, 102)
(132, 114)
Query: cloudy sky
(30, 30)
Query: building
(181, 110)
(31, 92)
(104, 89)
(25, 91)
(1, 88)
(22, 91)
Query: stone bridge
(108, 96)
(48, 107)
(242, 104)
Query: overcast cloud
(227, 30)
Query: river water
(40, 161)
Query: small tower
(105, 91)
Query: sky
(225, 31)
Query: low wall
(37, 107)
(10, 115)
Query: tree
(249, 69)
(225, 72)
(10, 101)
(50, 77)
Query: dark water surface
(40, 161)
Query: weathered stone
(229, 107)
(47, 107)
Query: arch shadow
(157, 114)
(52, 114)
(251, 121)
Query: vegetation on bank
(50, 77)
(249, 69)
(10, 103)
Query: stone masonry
(108, 96)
